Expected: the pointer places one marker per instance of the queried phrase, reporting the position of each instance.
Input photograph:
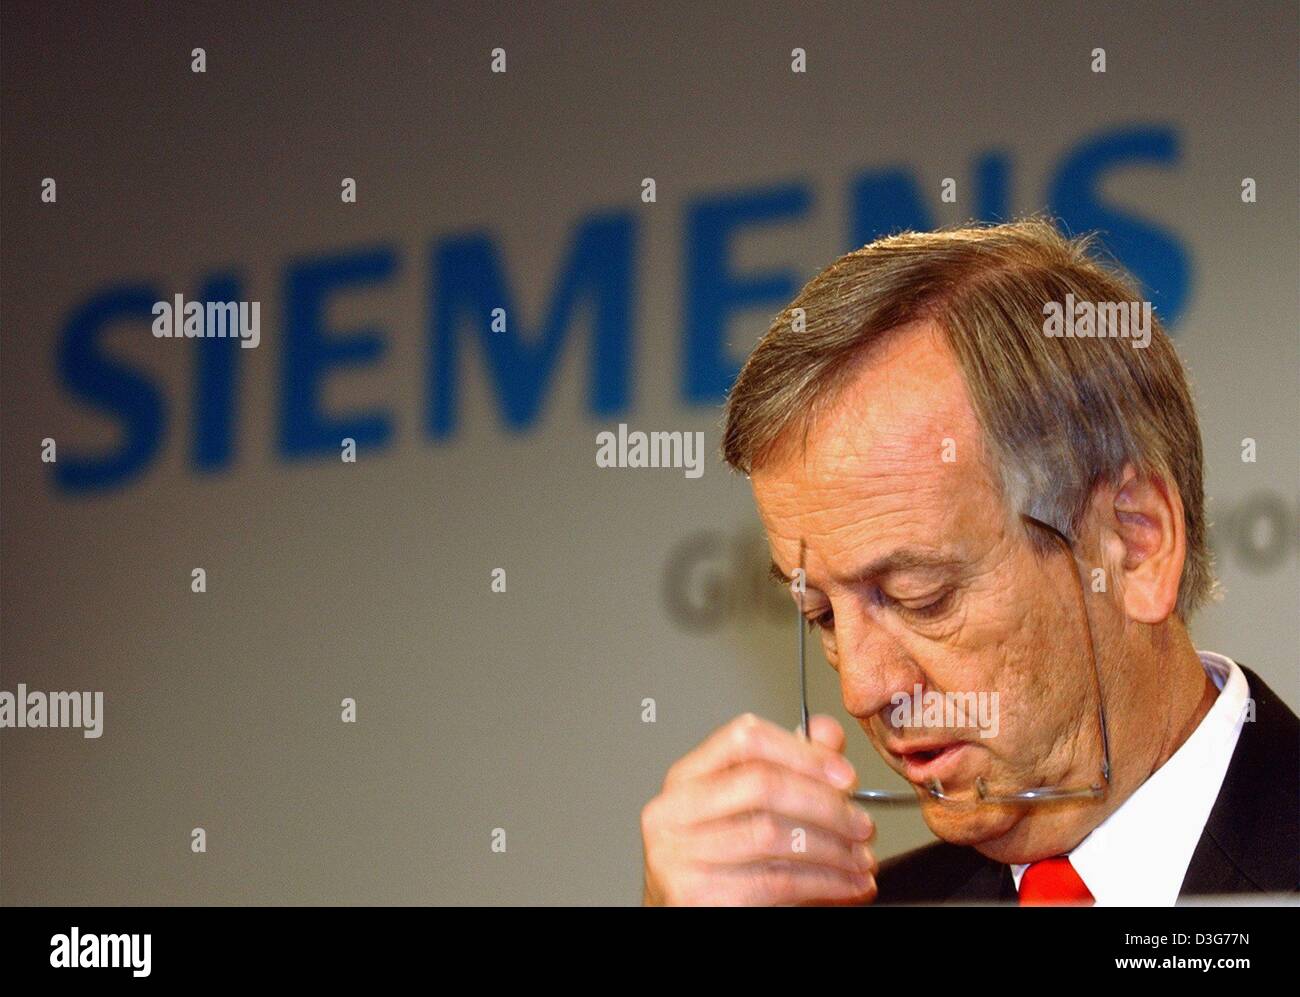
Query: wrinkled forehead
(900, 445)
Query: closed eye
(936, 607)
(824, 621)
(933, 609)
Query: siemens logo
(598, 277)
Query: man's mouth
(921, 763)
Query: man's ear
(1142, 528)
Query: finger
(761, 836)
(786, 882)
(750, 737)
(764, 787)
(826, 730)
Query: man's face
(921, 575)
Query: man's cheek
(989, 720)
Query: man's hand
(757, 815)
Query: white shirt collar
(1138, 856)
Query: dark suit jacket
(1251, 842)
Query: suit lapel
(1251, 841)
(988, 881)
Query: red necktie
(1053, 881)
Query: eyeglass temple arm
(803, 667)
(1050, 793)
(1068, 544)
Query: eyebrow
(905, 559)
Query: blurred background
(524, 709)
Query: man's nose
(874, 667)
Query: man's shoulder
(942, 872)
(1251, 841)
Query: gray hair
(1061, 415)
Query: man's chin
(966, 823)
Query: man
(902, 416)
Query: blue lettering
(882, 202)
(714, 294)
(216, 387)
(469, 284)
(114, 387)
(310, 351)
(1154, 256)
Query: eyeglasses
(983, 794)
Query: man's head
(896, 419)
